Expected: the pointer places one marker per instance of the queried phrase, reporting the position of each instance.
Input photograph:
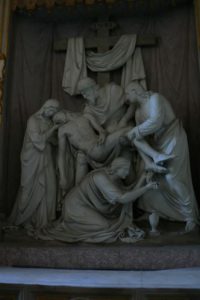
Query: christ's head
(64, 116)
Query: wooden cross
(103, 41)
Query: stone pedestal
(171, 250)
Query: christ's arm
(97, 127)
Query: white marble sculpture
(79, 131)
(99, 209)
(105, 109)
(154, 117)
(104, 105)
(35, 206)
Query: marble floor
(167, 279)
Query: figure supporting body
(155, 117)
(78, 130)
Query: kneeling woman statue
(99, 209)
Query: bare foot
(162, 158)
(190, 226)
(155, 168)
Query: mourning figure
(99, 209)
(35, 205)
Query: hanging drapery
(123, 54)
(114, 58)
(75, 65)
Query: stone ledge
(99, 257)
(170, 250)
(168, 279)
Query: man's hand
(131, 135)
(51, 131)
(153, 185)
(102, 136)
(149, 176)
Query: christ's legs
(82, 167)
(61, 160)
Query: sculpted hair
(59, 116)
(118, 163)
(51, 103)
(85, 83)
(136, 86)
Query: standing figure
(36, 201)
(155, 118)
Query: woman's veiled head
(50, 107)
(120, 166)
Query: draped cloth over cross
(124, 54)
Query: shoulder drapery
(123, 54)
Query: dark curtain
(36, 75)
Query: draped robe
(36, 201)
(109, 107)
(175, 198)
(91, 213)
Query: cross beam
(142, 41)
(103, 42)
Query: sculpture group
(126, 145)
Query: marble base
(170, 250)
(102, 257)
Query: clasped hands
(150, 180)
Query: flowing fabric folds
(123, 54)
